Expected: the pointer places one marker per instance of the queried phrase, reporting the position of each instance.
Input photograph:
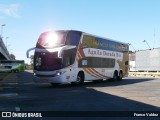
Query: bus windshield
(51, 39)
(47, 61)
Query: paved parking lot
(130, 94)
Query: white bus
(68, 56)
(12, 65)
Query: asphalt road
(19, 93)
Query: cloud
(10, 10)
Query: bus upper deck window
(73, 38)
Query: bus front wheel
(16, 70)
(79, 79)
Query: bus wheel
(120, 75)
(80, 78)
(16, 71)
(115, 76)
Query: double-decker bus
(69, 56)
(12, 65)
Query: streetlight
(132, 46)
(2, 29)
(6, 41)
(146, 43)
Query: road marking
(17, 108)
(8, 82)
(8, 95)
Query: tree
(12, 56)
(31, 62)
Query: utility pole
(2, 30)
(146, 43)
(132, 46)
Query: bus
(70, 56)
(12, 65)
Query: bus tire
(115, 76)
(120, 76)
(79, 79)
(16, 71)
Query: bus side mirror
(27, 53)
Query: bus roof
(90, 35)
(96, 36)
(106, 38)
(11, 61)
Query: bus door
(68, 62)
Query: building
(145, 60)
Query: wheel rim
(78, 79)
(120, 75)
(115, 76)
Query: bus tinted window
(69, 56)
(46, 61)
(73, 38)
(96, 62)
(12, 61)
(51, 39)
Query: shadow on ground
(75, 98)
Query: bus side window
(68, 60)
(69, 56)
(126, 63)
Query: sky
(129, 21)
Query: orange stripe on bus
(100, 73)
(91, 71)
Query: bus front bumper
(56, 79)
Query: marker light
(51, 39)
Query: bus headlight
(60, 72)
(34, 73)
